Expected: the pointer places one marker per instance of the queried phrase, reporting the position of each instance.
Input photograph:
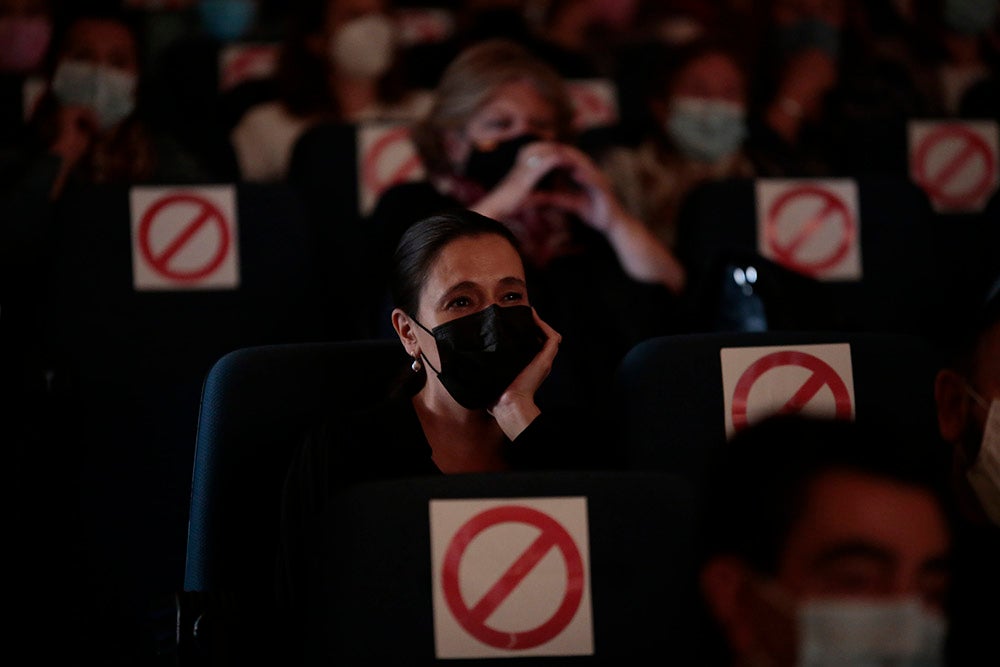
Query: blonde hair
(471, 80)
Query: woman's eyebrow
(457, 288)
(513, 281)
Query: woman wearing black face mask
(469, 401)
(498, 141)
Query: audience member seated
(86, 130)
(967, 391)
(25, 32)
(498, 141)
(798, 64)
(824, 543)
(964, 47)
(480, 353)
(566, 33)
(89, 128)
(696, 110)
(187, 90)
(337, 64)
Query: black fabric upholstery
(900, 289)
(669, 394)
(127, 369)
(256, 404)
(377, 603)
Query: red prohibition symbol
(473, 617)
(822, 375)
(971, 146)
(590, 104)
(242, 66)
(831, 207)
(160, 261)
(369, 172)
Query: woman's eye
(513, 296)
(498, 123)
(460, 302)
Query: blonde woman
(498, 140)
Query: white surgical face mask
(364, 47)
(705, 129)
(984, 474)
(108, 91)
(868, 633)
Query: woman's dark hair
(423, 241)
(67, 16)
(302, 77)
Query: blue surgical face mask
(227, 20)
(704, 129)
(970, 17)
(869, 633)
(108, 91)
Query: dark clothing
(974, 616)
(586, 296)
(386, 442)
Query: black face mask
(488, 168)
(482, 353)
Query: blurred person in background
(697, 128)
(967, 393)
(824, 542)
(338, 63)
(25, 33)
(499, 141)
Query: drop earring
(416, 365)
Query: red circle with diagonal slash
(242, 66)
(473, 618)
(823, 375)
(935, 185)
(161, 262)
(591, 107)
(832, 205)
(369, 169)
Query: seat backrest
(128, 367)
(967, 247)
(95, 308)
(718, 224)
(675, 405)
(256, 405)
(417, 569)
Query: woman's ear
(404, 327)
(952, 404)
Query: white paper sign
(511, 577)
(810, 379)
(184, 238)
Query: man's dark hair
(758, 481)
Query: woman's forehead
(474, 258)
